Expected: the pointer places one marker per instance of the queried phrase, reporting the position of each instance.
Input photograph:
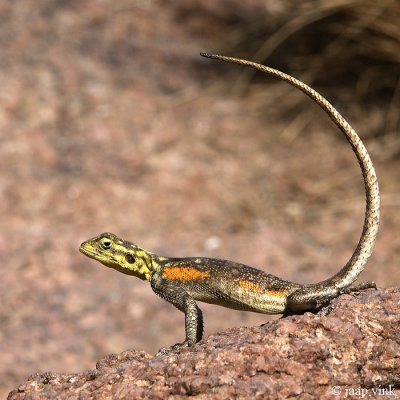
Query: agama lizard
(183, 281)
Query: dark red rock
(346, 349)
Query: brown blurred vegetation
(350, 48)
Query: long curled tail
(349, 273)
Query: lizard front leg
(174, 293)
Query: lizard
(183, 281)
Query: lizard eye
(130, 259)
(106, 244)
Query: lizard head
(119, 254)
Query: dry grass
(363, 28)
(352, 47)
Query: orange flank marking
(257, 288)
(185, 274)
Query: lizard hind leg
(358, 288)
(307, 300)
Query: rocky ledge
(349, 349)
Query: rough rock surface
(349, 349)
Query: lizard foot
(176, 348)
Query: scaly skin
(183, 281)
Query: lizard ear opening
(130, 259)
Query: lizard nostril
(130, 259)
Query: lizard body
(183, 281)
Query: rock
(349, 348)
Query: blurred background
(111, 121)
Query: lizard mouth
(87, 252)
(107, 260)
(91, 253)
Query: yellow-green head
(124, 256)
